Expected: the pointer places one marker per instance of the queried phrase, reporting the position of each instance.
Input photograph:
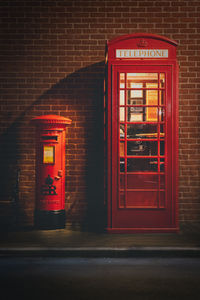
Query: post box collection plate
(48, 154)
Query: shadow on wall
(9, 193)
(80, 97)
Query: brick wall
(52, 61)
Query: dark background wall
(52, 61)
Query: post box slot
(50, 137)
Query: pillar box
(50, 171)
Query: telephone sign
(138, 53)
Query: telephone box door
(143, 148)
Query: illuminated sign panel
(141, 53)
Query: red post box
(50, 171)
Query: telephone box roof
(142, 35)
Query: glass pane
(161, 114)
(162, 148)
(121, 148)
(162, 165)
(122, 114)
(162, 97)
(142, 114)
(122, 98)
(162, 133)
(142, 199)
(122, 131)
(135, 97)
(162, 80)
(142, 78)
(144, 148)
(152, 85)
(144, 131)
(151, 97)
(152, 114)
(134, 85)
(142, 164)
(122, 80)
(122, 165)
(142, 181)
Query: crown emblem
(142, 43)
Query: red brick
(44, 48)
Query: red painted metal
(146, 200)
(50, 165)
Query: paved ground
(69, 242)
(100, 278)
(68, 237)
(75, 265)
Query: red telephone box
(50, 171)
(142, 134)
